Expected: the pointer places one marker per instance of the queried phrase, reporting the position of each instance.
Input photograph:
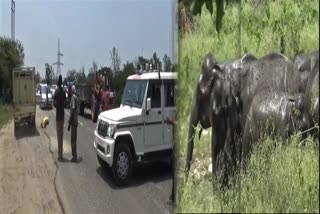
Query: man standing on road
(59, 99)
(173, 124)
(73, 123)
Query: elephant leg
(218, 138)
(194, 120)
(246, 143)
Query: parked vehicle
(53, 88)
(24, 100)
(135, 133)
(38, 94)
(44, 96)
(96, 96)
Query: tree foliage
(71, 75)
(167, 63)
(48, 74)
(196, 6)
(80, 76)
(120, 78)
(11, 55)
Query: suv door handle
(159, 112)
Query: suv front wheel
(122, 164)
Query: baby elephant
(277, 114)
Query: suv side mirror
(148, 104)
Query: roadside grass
(5, 113)
(279, 179)
(285, 179)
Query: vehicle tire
(81, 110)
(122, 164)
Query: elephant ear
(209, 71)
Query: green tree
(184, 16)
(155, 60)
(49, 73)
(11, 55)
(120, 79)
(80, 76)
(141, 61)
(167, 63)
(71, 75)
(196, 5)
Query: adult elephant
(223, 100)
(218, 85)
(304, 63)
(276, 114)
(312, 94)
(270, 92)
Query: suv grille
(102, 128)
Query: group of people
(59, 100)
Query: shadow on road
(86, 115)
(26, 131)
(67, 160)
(154, 173)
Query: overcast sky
(88, 30)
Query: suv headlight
(111, 130)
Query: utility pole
(58, 62)
(13, 10)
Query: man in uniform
(73, 123)
(59, 99)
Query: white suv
(136, 132)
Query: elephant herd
(249, 97)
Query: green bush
(6, 113)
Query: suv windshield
(133, 93)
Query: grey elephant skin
(304, 63)
(312, 94)
(225, 95)
(216, 102)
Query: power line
(58, 62)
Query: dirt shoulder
(27, 172)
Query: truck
(24, 98)
(96, 96)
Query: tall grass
(284, 179)
(5, 113)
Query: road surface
(84, 187)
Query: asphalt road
(84, 187)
